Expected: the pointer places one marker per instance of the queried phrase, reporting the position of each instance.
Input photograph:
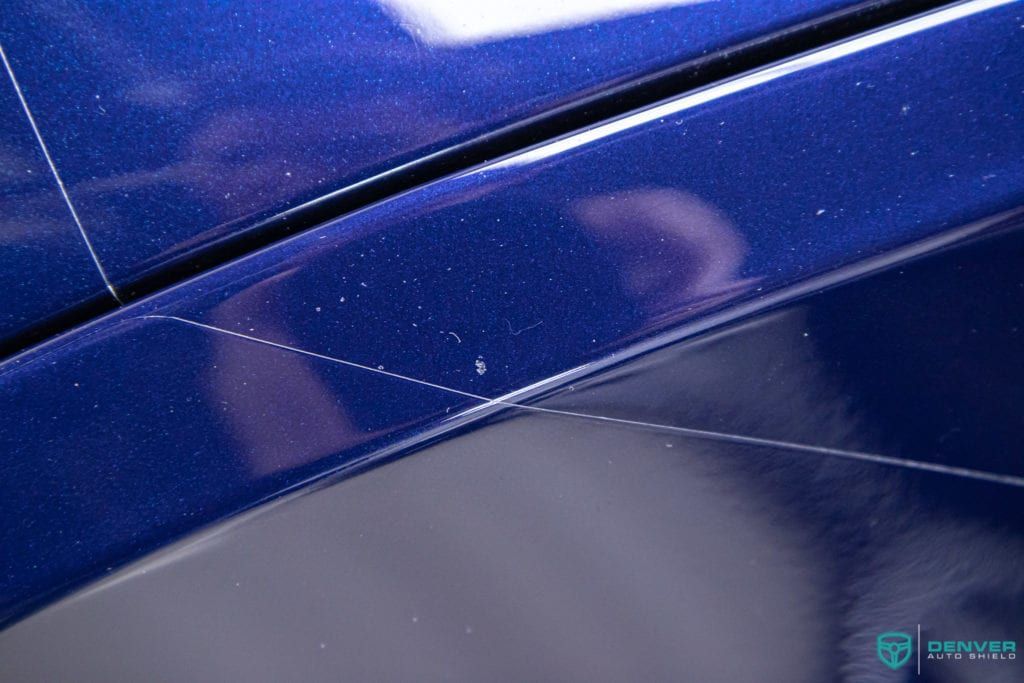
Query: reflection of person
(673, 251)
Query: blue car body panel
(564, 254)
(173, 129)
(45, 265)
(395, 326)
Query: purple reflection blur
(278, 407)
(674, 252)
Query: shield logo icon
(894, 648)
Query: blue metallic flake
(45, 267)
(174, 126)
(126, 434)
(564, 254)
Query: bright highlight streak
(467, 22)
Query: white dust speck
(819, 212)
(481, 366)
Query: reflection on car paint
(138, 429)
(646, 230)
(175, 129)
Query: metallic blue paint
(137, 429)
(564, 254)
(174, 128)
(45, 267)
